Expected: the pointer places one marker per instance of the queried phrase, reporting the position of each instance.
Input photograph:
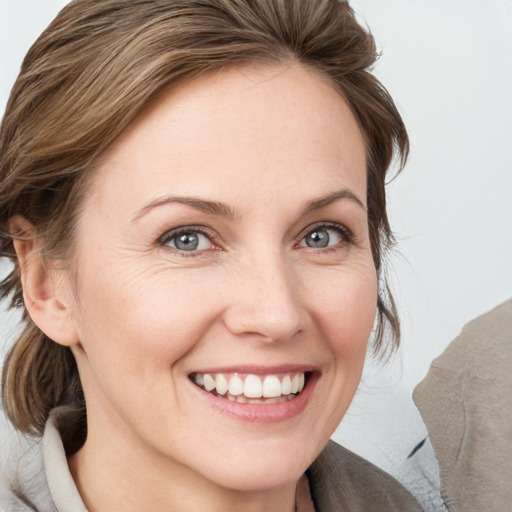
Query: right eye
(322, 237)
(187, 240)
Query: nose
(265, 300)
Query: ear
(46, 290)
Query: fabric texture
(466, 403)
(339, 481)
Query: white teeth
(295, 384)
(301, 382)
(271, 387)
(236, 386)
(221, 384)
(208, 382)
(253, 387)
(286, 385)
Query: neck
(111, 473)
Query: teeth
(295, 384)
(221, 384)
(301, 382)
(271, 387)
(236, 386)
(286, 385)
(208, 382)
(253, 388)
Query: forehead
(243, 126)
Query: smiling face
(222, 254)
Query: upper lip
(258, 369)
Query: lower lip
(261, 413)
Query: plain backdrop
(448, 64)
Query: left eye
(189, 241)
(322, 237)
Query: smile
(251, 388)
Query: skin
(140, 315)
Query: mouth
(250, 388)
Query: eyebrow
(345, 193)
(223, 210)
(203, 205)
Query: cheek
(346, 309)
(144, 323)
(133, 340)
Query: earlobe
(45, 290)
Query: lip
(259, 370)
(260, 413)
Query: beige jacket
(339, 480)
(466, 403)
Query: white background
(448, 64)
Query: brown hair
(93, 70)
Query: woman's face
(224, 241)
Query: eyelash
(175, 233)
(346, 235)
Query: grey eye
(320, 238)
(190, 241)
(187, 242)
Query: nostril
(263, 323)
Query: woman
(193, 195)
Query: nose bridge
(266, 301)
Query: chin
(262, 473)
(263, 464)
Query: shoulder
(342, 481)
(23, 484)
(10, 502)
(20, 474)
